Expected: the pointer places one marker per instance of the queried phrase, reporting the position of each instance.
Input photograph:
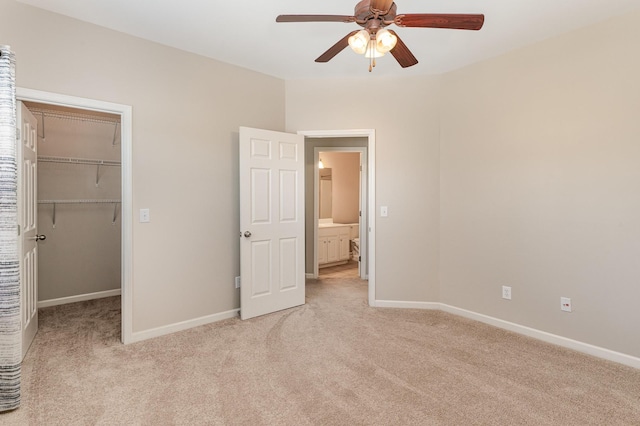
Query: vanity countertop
(331, 225)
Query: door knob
(39, 238)
(247, 234)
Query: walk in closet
(79, 195)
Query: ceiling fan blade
(383, 5)
(315, 18)
(431, 20)
(336, 48)
(402, 53)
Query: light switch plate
(145, 216)
(384, 211)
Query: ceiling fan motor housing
(370, 19)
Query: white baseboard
(565, 342)
(78, 298)
(406, 305)
(309, 276)
(184, 325)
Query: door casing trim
(126, 117)
(370, 134)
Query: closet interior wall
(77, 208)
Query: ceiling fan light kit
(375, 40)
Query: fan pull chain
(372, 58)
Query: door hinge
(17, 133)
(359, 258)
(18, 230)
(360, 213)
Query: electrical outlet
(237, 282)
(565, 304)
(506, 292)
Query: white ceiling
(244, 32)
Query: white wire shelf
(85, 117)
(87, 161)
(75, 116)
(104, 201)
(79, 201)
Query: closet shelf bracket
(115, 133)
(42, 115)
(115, 213)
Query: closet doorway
(84, 200)
(79, 197)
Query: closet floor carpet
(333, 361)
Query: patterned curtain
(10, 325)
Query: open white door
(271, 221)
(27, 145)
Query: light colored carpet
(333, 361)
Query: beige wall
(520, 171)
(540, 172)
(186, 114)
(407, 168)
(345, 177)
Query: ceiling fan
(375, 40)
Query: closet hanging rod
(75, 116)
(68, 160)
(78, 201)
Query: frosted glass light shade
(385, 41)
(359, 41)
(372, 52)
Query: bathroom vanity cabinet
(333, 245)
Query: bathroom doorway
(354, 139)
(338, 189)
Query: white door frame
(370, 134)
(364, 208)
(125, 113)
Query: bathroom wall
(345, 179)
